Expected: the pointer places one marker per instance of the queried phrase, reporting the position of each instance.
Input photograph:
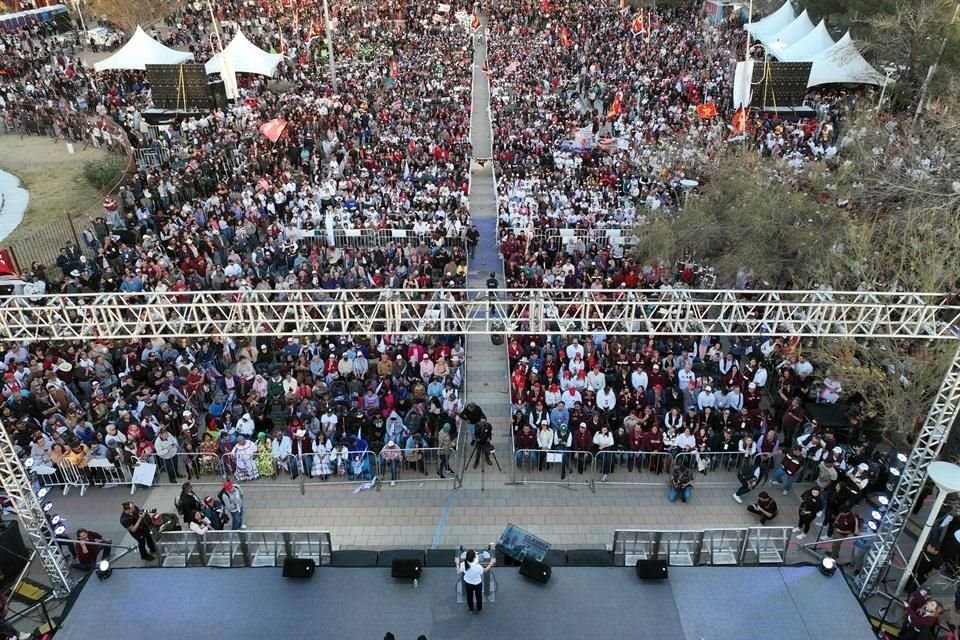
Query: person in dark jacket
(765, 508)
(188, 502)
(582, 445)
(810, 504)
(525, 442)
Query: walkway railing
(703, 547)
(247, 548)
(372, 238)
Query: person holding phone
(472, 572)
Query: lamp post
(946, 476)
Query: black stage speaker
(780, 84)
(535, 570)
(652, 569)
(179, 86)
(299, 567)
(406, 568)
(13, 553)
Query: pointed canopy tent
(245, 57)
(809, 46)
(843, 64)
(140, 51)
(774, 22)
(790, 34)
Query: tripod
(475, 453)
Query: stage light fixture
(47, 506)
(876, 515)
(883, 500)
(28, 463)
(60, 530)
(103, 570)
(42, 493)
(902, 457)
(828, 566)
(873, 526)
(55, 520)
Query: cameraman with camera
(137, 522)
(483, 434)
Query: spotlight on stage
(60, 530)
(47, 506)
(828, 566)
(103, 570)
(43, 493)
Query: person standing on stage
(472, 572)
(137, 522)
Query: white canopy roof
(789, 35)
(843, 64)
(140, 51)
(245, 57)
(772, 23)
(809, 46)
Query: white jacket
(545, 438)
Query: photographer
(483, 434)
(137, 522)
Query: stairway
(487, 370)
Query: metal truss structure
(16, 483)
(410, 312)
(663, 312)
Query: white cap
(863, 466)
(837, 451)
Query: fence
(553, 467)
(372, 238)
(42, 245)
(705, 547)
(250, 548)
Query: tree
(128, 14)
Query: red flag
(6, 263)
(273, 129)
(615, 109)
(707, 110)
(739, 121)
(394, 68)
(565, 37)
(638, 24)
(475, 22)
(545, 6)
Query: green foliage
(103, 174)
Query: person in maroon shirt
(793, 420)
(582, 445)
(87, 553)
(526, 439)
(653, 447)
(635, 444)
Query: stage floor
(708, 603)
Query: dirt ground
(53, 177)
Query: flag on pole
(545, 6)
(616, 108)
(638, 25)
(707, 110)
(565, 37)
(273, 129)
(739, 122)
(475, 22)
(394, 68)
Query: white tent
(789, 35)
(772, 23)
(140, 51)
(809, 46)
(843, 64)
(245, 57)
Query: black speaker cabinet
(652, 569)
(13, 553)
(406, 568)
(299, 567)
(535, 570)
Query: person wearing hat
(301, 453)
(232, 498)
(391, 455)
(765, 507)
(446, 448)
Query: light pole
(227, 73)
(328, 27)
(946, 476)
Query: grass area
(54, 178)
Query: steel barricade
(246, 467)
(418, 465)
(723, 546)
(250, 548)
(200, 468)
(712, 468)
(636, 468)
(353, 467)
(111, 474)
(64, 475)
(538, 466)
(767, 545)
(178, 548)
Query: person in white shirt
(733, 400)
(596, 379)
(686, 376)
(803, 368)
(574, 349)
(639, 380)
(686, 441)
(472, 572)
(281, 447)
(545, 437)
(706, 399)
(200, 524)
(603, 440)
(606, 400)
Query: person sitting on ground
(765, 507)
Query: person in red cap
(232, 498)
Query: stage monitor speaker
(780, 84)
(218, 93)
(13, 553)
(406, 568)
(535, 570)
(652, 569)
(299, 567)
(181, 87)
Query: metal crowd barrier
(247, 548)
(374, 238)
(409, 469)
(65, 475)
(527, 469)
(702, 547)
(638, 468)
